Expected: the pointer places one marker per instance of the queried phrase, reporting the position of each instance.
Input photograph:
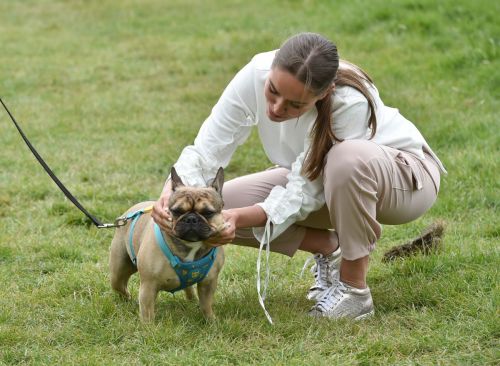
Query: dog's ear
(218, 181)
(176, 180)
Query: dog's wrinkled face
(196, 212)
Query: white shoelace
(318, 268)
(331, 297)
(306, 263)
(265, 241)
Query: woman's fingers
(225, 236)
(161, 215)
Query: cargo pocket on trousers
(406, 175)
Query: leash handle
(67, 193)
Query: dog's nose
(191, 219)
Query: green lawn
(110, 91)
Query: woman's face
(286, 96)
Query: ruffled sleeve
(286, 205)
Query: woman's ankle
(354, 272)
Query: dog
(196, 216)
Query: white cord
(265, 240)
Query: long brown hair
(314, 61)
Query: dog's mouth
(192, 227)
(193, 234)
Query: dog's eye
(208, 214)
(176, 211)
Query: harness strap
(189, 273)
(135, 216)
(174, 260)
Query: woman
(345, 161)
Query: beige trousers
(365, 185)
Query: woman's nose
(279, 107)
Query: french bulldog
(196, 216)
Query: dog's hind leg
(120, 267)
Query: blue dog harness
(189, 273)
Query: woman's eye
(295, 106)
(272, 91)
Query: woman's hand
(228, 233)
(237, 218)
(161, 214)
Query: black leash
(119, 222)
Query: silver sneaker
(344, 301)
(326, 273)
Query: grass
(109, 92)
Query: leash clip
(121, 221)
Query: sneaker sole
(317, 314)
(365, 316)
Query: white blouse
(243, 106)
